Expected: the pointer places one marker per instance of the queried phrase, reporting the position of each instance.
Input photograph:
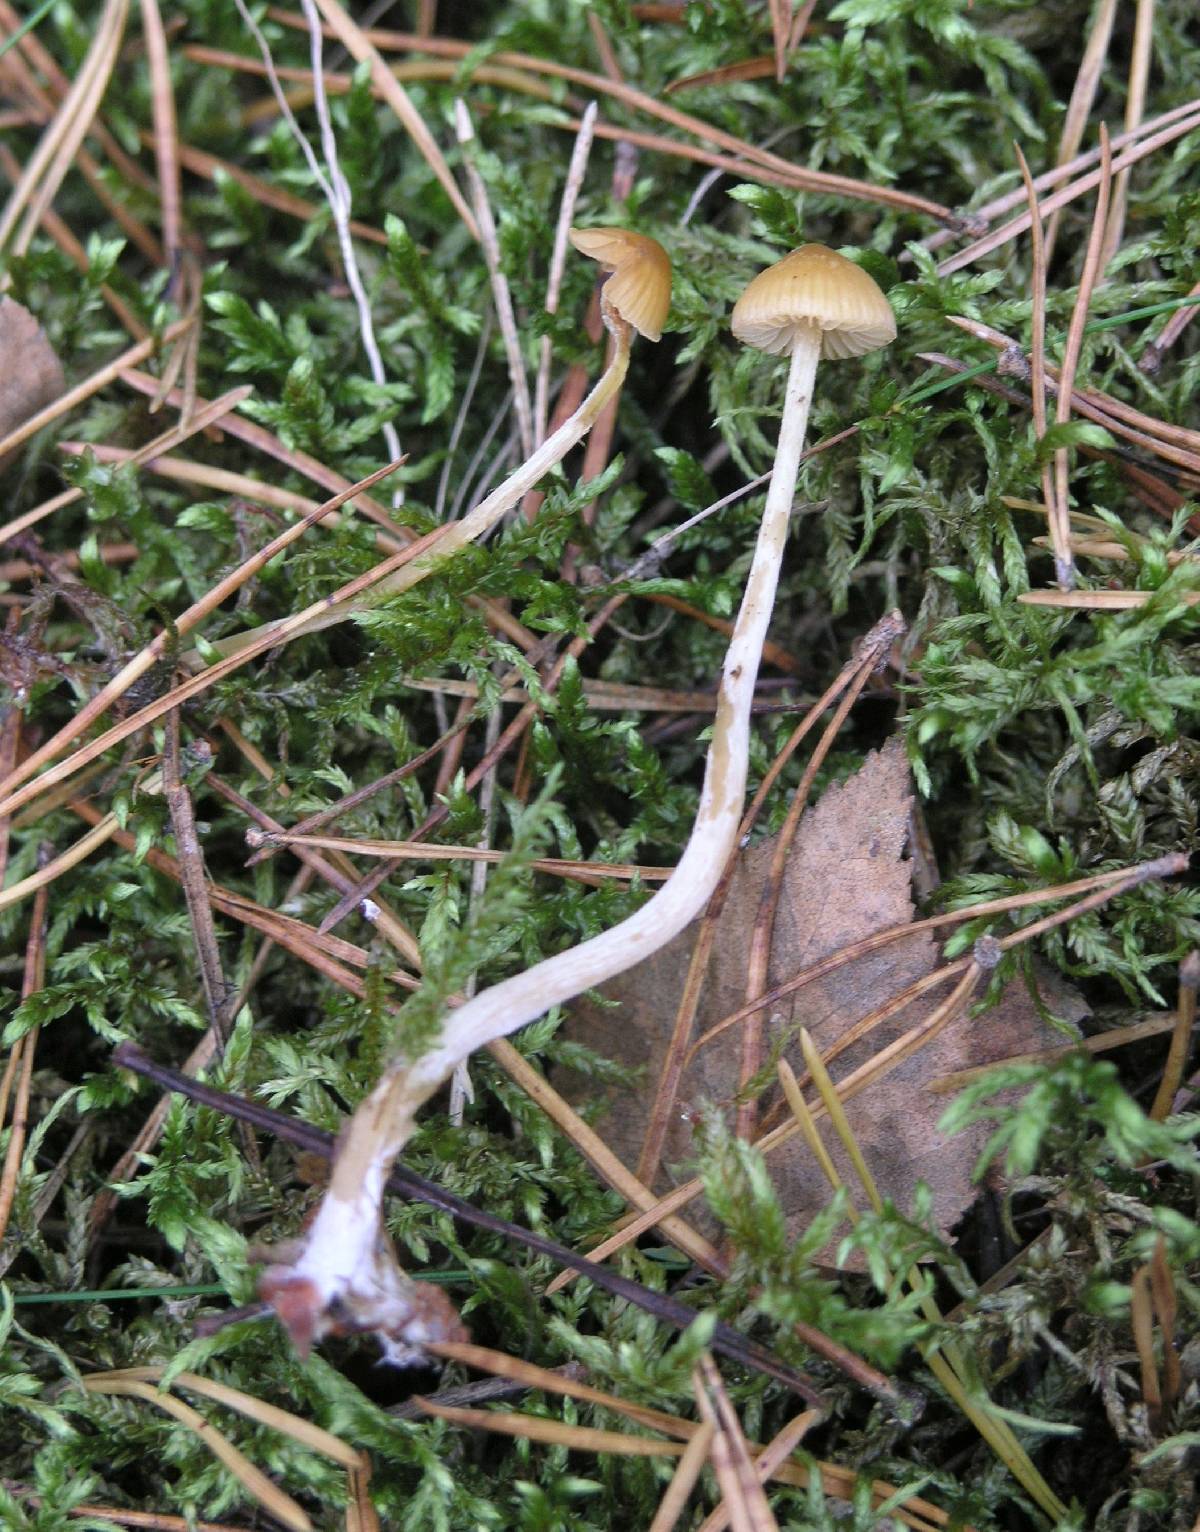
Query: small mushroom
(639, 289)
(342, 1272)
(813, 305)
(635, 297)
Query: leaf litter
(31, 375)
(848, 875)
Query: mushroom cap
(814, 288)
(640, 286)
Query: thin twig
(576, 170)
(405, 1183)
(501, 293)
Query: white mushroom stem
(338, 1261)
(485, 515)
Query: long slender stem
(485, 515)
(339, 1257)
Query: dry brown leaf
(847, 877)
(30, 373)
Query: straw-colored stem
(477, 522)
(339, 1257)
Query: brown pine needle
(1102, 1042)
(1162, 1289)
(687, 1474)
(361, 1515)
(768, 1462)
(252, 1479)
(62, 236)
(332, 957)
(194, 881)
(102, 831)
(60, 144)
(667, 1085)
(1181, 1038)
(740, 1486)
(917, 1513)
(1064, 565)
(1039, 260)
(501, 1365)
(121, 1516)
(752, 1052)
(427, 851)
(1141, 1316)
(201, 420)
(1135, 107)
(1102, 600)
(20, 1063)
(794, 175)
(1083, 96)
(166, 135)
(1154, 136)
(151, 655)
(300, 1430)
(554, 1433)
(358, 44)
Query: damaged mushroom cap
(814, 288)
(640, 286)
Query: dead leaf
(31, 376)
(847, 877)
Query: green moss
(1047, 746)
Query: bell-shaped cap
(814, 288)
(640, 286)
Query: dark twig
(406, 1183)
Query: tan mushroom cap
(640, 286)
(814, 288)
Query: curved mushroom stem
(457, 534)
(341, 1268)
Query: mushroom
(636, 297)
(343, 1271)
(639, 288)
(813, 305)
